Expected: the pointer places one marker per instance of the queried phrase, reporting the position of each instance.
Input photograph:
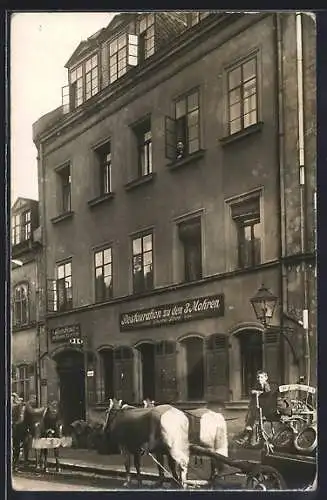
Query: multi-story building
(177, 177)
(26, 300)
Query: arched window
(20, 305)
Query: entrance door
(195, 367)
(147, 369)
(251, 359)
(70, 368)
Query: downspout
(302, 179)
(280, 182)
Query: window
(20, 305)
(104, 158)
(21, 381)
(196, 17)
(190, 236)
(84, 82)
(183, 133)
(122, 54)
(16, 230)
(146, 32)
(242, 96)
(64, 178)
(103, 274)
(246, 216)
(144, 145)
(26, 225)
(142, 263)
(63, 287)
(107, 374)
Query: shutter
(123, 374)
(132, 50)
(165, 369)
(170, 138)
(65, 99)
(104, 65)
(217, 368)
(51, 295)
(272, 356)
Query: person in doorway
(262, 384)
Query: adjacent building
(175, 179)
(26, 300)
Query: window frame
(102, 298)
(67, 304)
(18, 302)
(239, 64)
(102, 152)
(144, 147)
(26, 223)
(188, 221)
(146, 40)
(61, 172)
(78, 93)
(17, 380)
(127, 53)
(142, 235)
(16, 229)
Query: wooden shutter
(272, 365)
(170, 138)
(123, 374)
(217, 368)
(65, 99)
(165, 370)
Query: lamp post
(264, 303)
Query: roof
(20, 202)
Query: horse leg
(173, 470)
(160, 459)
(44, 452)
(56, 454)
(137, 465)
(127, 467)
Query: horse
(207, 428)
(160, 430)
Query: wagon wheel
(266, 478)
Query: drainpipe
(302, 179)
(280, 182)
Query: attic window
(83, 84)
(122, 54)
(146, 30)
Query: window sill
(187, 160)
(140, 181)
(100, 199)
(257, 127)
(61, 217)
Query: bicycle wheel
(284, 438)
(267, 478)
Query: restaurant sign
(64, 333)
(169, 314)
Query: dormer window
(83, 84)
(21, 227)
(122, 54)
(146, 33)
(196, 17)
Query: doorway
(195, 368)
(251, 359)
(146, 350)
(70, 369)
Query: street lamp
(264, 303)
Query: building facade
(174, 181)
(26, 301)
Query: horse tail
(221, 437)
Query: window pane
(193, 118)
(235, 126)
(249, 69)
(250, 119)
(73, 76)
(249, 87)
(107, 270)
(113, 47)
(79, 72)
(61, 272)
(234, 111)
(98, 259)
(148, 258)
(137, 246)
(68, 282)
(150, 19)
(143, 24)
(247, 232)
(94, 61)
(147, 243)
(192, 101)
(234, 78)
(121, 41)
(107, 255)
(180, 108)
(88, 65)
(68, 269)
(193, 133)
(234, 96)
(107, 284)
(193, 146)
(249, 104)
(98, 272)
(137, 263)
